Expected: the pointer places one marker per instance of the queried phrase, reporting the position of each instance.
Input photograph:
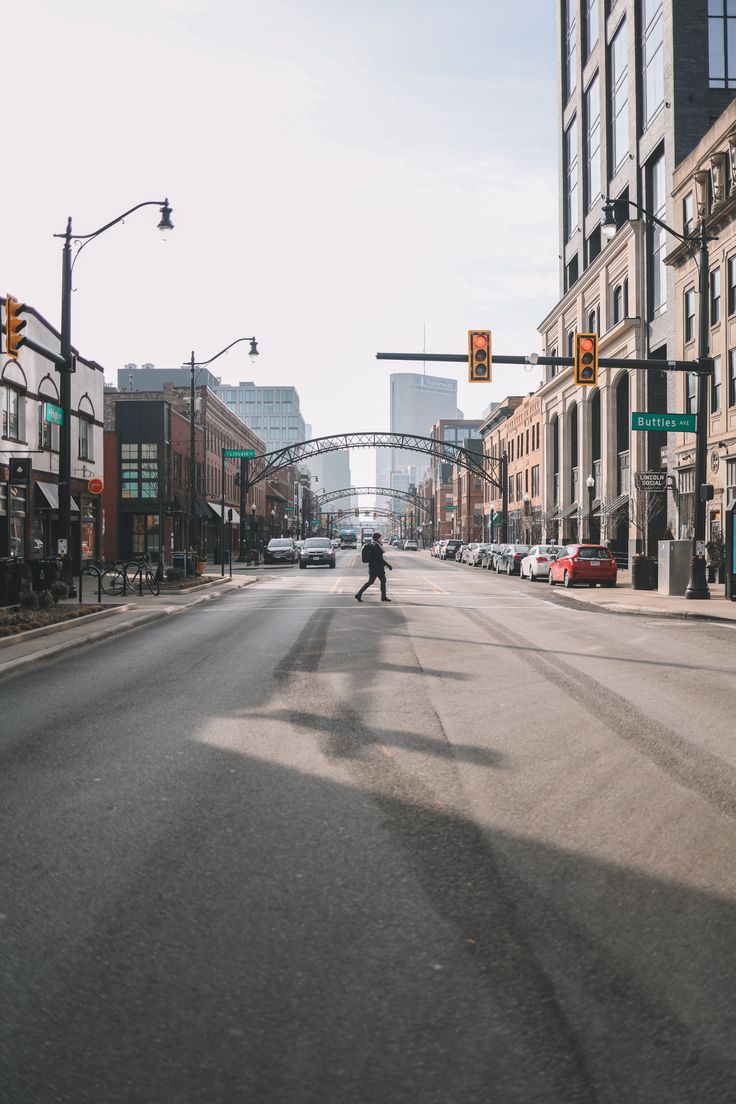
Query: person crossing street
(373, 556)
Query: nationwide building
(639, 84)
(417, 402)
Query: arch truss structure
(379, 492)
(489, 468)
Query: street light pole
(68, 368)
(697, 587)
(590, 484)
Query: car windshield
(455, 543)
(279, 544)
(520, 547)
(547, 550)
(594, 554)
(317, 542)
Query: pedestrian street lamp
(67, 366)
(196, 367)
(590, 484)
(614, 211)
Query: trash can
(11, 579)
(44, 572)
(183, 562)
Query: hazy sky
(341, 174)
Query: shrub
(175, 574)
(58, 590)
(45, 599)
(28, 600)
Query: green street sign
(238, 454)
(663, 423)
(53, 414)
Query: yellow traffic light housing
(586, 359)
(13, 326)
(480, 360)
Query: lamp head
(165, 223)
(590, 482)
(253, 351)
(608, 222)
(253, 508)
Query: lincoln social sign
(667, 423)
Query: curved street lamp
(67, 367)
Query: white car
(535, 564)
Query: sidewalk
(624, 599)
(120, 615)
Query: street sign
(96, 485)
(663, 423)
(655, 481)
(238, 454)
(53, 413)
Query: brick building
(513, 429)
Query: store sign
(96, 486)
(654, 481)
(20, 471)
(53, 414)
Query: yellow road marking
(435, 588)
(335, 588)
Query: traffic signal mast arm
(705, 365)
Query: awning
(617, 504)
(731, 505)
(216, 508)
(50, 492)
(573, 508)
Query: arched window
(13, 400)
(618, 303)
(48, 429)
(85, 421)
(593, 320)
(570, 342)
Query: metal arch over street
(487, 467)
(379, 492)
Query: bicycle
(114, 580)
(138, 571)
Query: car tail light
(517, 555)
(541, 559)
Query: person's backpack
(365, 555)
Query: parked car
(475, 556)
(280, 550)
(537, 560)
(498, 550)
(411, 546)
(317, 550)
(486, 559)
(589, 564)
(459, 553)
(466, 552)
(509, 559)
(449, 549)
(435, 549)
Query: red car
(588, 564)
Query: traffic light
(13, 326)
(357, 512)
(586, 359)
(479, 356)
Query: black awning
(50, 492)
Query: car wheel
(332, 564)
(550, 580)
(567, 581)
(302, 566)
(508, 568)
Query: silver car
(535, 564)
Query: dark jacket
(376, 562)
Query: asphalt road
(472, 846)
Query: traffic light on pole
(586, 359)
(479, 356)
(13, 326)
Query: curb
(638, 611)
(48, 630)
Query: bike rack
(90, 570)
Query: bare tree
(644, 509)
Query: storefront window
(17, 521)
(139, 471)
(146, 534)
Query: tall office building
(272, 412)
(417, 403)
(639, 83)
(332, 472)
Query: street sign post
(654, 481)
(53, 414)
(239, 454)
(667, 423)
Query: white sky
(341, 174)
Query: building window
(715, 387)
(715, 297)
(85, 439)
(591, 25)
(653, 58)
(570, 343)
(48, 433)
(519, 486)
(731, 285)
(722, 43)
(691, 396)
(553, 367)
(593, 142)
(593, 320)
(571, 272)
(687, 214)
(732, 377)
(570, 48)
(13, 414)
(138, 471)
(618, 302)
(571, 176)
(511, 488)
(689, 312)
(619, 98)
(657, 237)
(535, 481)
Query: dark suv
(451, 549)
